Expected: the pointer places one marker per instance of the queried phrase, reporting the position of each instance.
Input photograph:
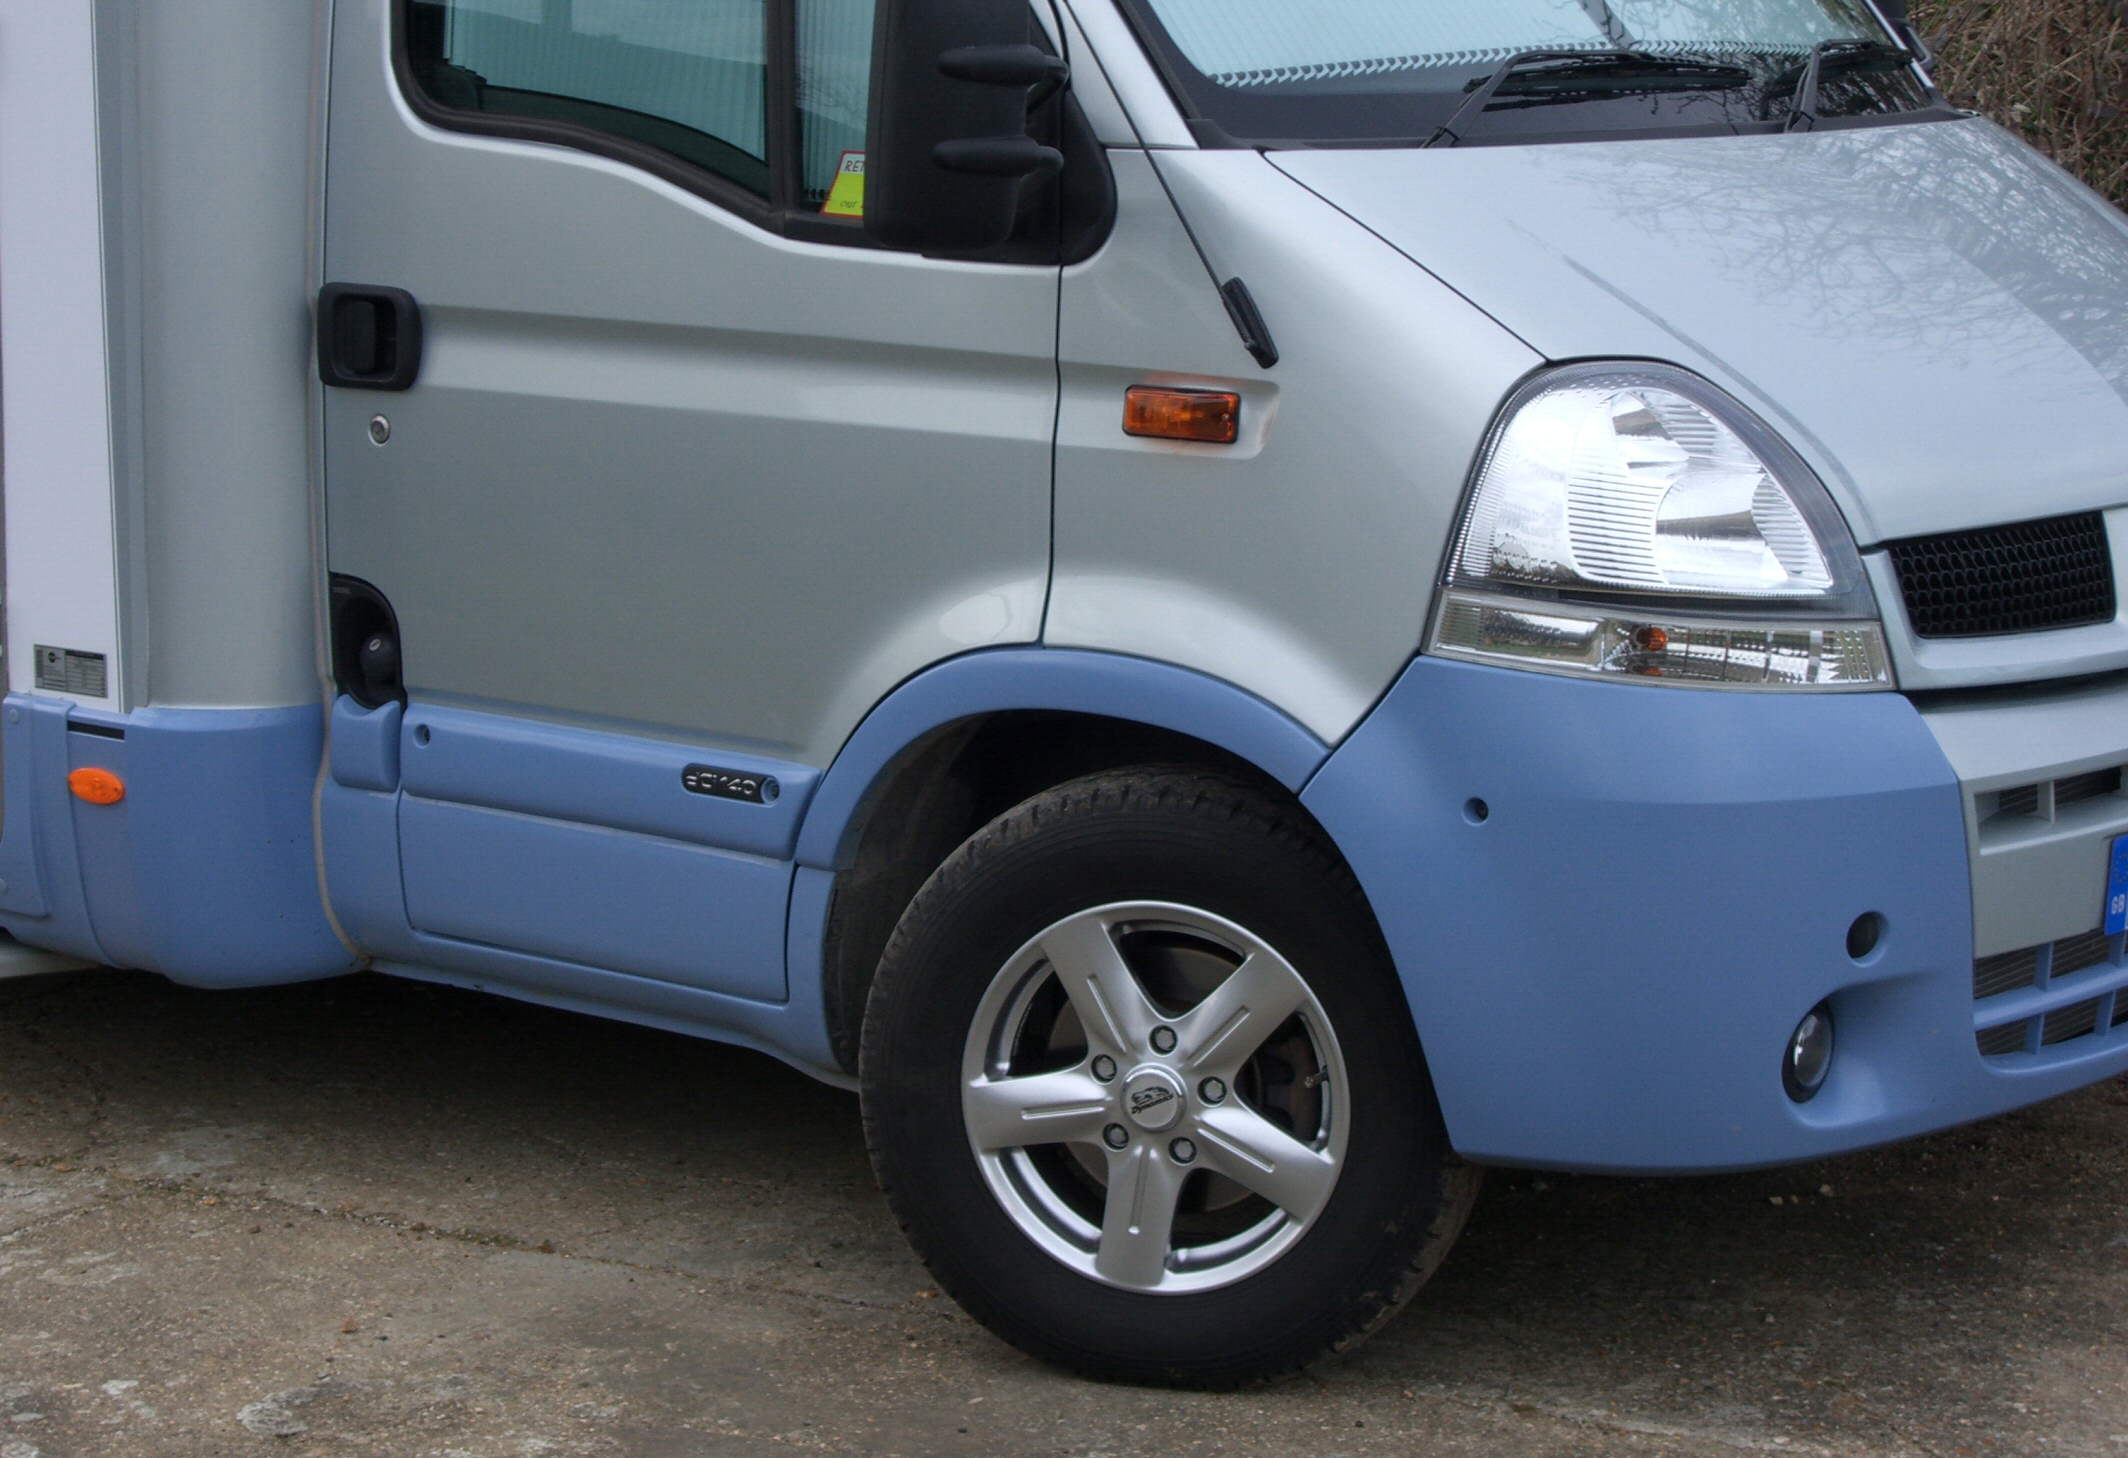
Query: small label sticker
(846, 197)
(2117, 886)
(725, 784)
(71, 671)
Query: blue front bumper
(1605, 970)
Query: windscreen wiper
(1570, 75)
(1843, 55)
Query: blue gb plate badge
(2117, 886)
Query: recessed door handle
(369, 337)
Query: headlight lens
(1631, 520)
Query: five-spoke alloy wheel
(1143, 1089)
(1176, 1151)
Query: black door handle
(369, 337)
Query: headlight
(1630, 520)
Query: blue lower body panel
(573, 867)
(206, 871)
(1612, 904)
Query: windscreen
(1329, 70)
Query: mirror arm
(1020, 156)
(1021, 66)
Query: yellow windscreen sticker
(846, 197)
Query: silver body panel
(1129, 75)
(1089, 80)
(662, 467)
(1299, 564)
(211, 329)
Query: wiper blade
(1578, 73)
(1843, 54)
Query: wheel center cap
(1153, 1098)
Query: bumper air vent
(2028, 577)
(2001, 811)
(2055, 998)
(2007, 972)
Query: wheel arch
(961, 743)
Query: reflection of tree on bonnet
(1906, 210)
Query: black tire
(1184, 874)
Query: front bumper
(1606, 968)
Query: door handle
(369, 337)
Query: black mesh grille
(2022, 800)
(2086, 787)
(2075, 954)
(2070, 1022)
(2005, 972)
(2023, 578)
(2071, 961)
(1998, 1042)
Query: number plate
(2117, 886)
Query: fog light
(1809, 1056)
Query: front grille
(2024, 578)
(2067, 1023)
(1996, 1042)
(2001, 811)
(2080, 954)
(2005, 972)
(2022, 800)
(2081, 987)
(2072, 788)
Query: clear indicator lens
(1567, 638)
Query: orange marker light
(97, 786)
(1211, 417)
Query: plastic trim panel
(1606, 961)
(1109, 685)
(204, 872)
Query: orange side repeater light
(97, 786)
(1210, 417)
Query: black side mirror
(950, 153)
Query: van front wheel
(1142, 1088)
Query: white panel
(61, 564)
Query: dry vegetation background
(2056, 70)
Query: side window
(685, 78)
(834, 90)
(758, 105)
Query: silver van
(1235, 609)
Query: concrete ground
(370, 1217)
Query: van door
(642, 442)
